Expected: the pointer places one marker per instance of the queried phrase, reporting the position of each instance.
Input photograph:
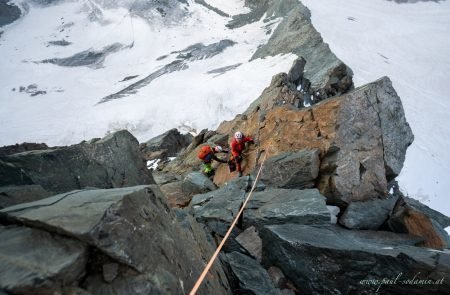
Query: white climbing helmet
(238, 135)
(218, 149)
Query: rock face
(350, 131)
(367, 215)
(336, 261)
(133, 238)
(88, 164)
(168, 144)
(296, 170)
(410, 216)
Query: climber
(237, 147)
(207, 155)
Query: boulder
(367, 215)
(251, 242)
(337, 261)
(174, 194)
(410, 216)
(162, 178)
(279, 206)
(295, 74)
(351, 132)
(34, 261)
(272, 206)
(88, 164)
(165, 145)
(197, 183)
(296, 170)
(132, 227)
(13, 195)
(250, 276)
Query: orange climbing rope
(216, 253)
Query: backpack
(204, 152)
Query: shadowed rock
(168, 144)
(336, 261)
(367, 215)
(250, 276)
(135, 239)
(88, 164)
(36, 261)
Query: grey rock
(175, 195)
(33, 260)
(134, 228)
(355, 167)
(279, 206)
(88, 57)
(367, 215)
(251, 277)
(162, 178)
(168, 144)
(13, 195)
(10, 13)
(88, 164)
(197, 183)
(110, 271)
(23, 147)
(193, 52)
(218, 208)
(296, 170)
(310, 256)
(251, 242)
(277, 276)
(396, 132)
(295, 74)
(60, 43)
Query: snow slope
(125, 45)
(410, 43)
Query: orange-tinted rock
(409, 217)
(362, 138)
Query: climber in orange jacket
(207, 154)
(237, 147)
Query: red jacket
(238, 147)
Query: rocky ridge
(93, 214)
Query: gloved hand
(238, 158)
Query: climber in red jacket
(237, 147)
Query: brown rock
(175, 196)
(408, 219)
